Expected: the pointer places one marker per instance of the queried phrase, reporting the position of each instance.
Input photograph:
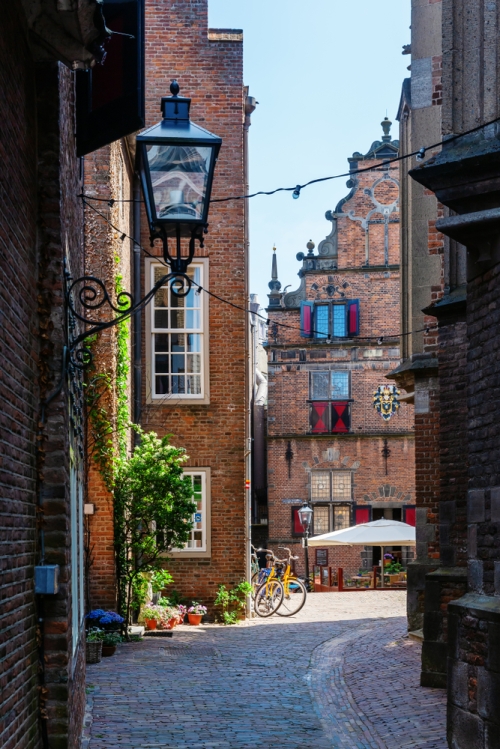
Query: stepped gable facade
(339, 435)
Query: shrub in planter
(108, 620)
(233, 601)
(93, 645)
(109, 643)
(196, 612)
(152, 615)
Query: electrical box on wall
(88, 508)
(47, 579)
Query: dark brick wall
(19, 386)
(40, 220)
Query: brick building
(452, 203)
(340, 338)
(189, 373)
(42, 655)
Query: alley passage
(342, 673)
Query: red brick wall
(211, 72)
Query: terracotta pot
(180, 619)
(150, 623)
(195, 619)
(108, 650)
(171, 623)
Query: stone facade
(461, 631)
(325, 438)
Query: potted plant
(152, 615)
(181, 613)
(388, 559)
(107, 620)
(109, 643)
(93, 645)
(195, 613)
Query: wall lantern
(305, 514)
(177, 161)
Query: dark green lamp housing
(177, 162)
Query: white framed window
(199, 543)
(178, 338)
(331, 486)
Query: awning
(377, 533)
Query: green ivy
(122, 378)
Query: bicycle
(294, 590)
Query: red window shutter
(410, 515)
(341, 417)
(362, 515)
(353, 317)
(319, 417)
(306, 319)
(297, 527)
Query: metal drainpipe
(137, 343)
(250, 105)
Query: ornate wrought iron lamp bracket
(88, 294)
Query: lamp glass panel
(179, 178)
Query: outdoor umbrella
(378, 533)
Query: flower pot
(195, 619)
(180, 619)
(108, 650)
(150, 623)
(171, 623)
(93, 652)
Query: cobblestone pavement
(342, 673)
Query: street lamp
(177, 161)
(305, 514)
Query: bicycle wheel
(268, 598)
(258, 578)
(294, 597)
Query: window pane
(320, 485)
(194, 363)
(321, 323)
(193, 384)
(161, 342)
(320, 386)
(341, 485)
(340, 385)
(339, 320)
(176, 318)
(161, 297)
(161, 319)
(178, 363)
(178, 384)
(192, 318)
(341, 517)
(161, 385)
(193, 342)
(178, 341)
(321, 520)
(161, 363)
(160, 271)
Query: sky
(325, 74)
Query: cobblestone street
(342, 673)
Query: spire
(386, 127)
(274, 284)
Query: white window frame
(206, 550)
(204, 396)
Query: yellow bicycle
(282, 592)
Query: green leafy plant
(232, 601)
(111, 638)
(153, 511)
(95, 635)
(393, 569)
(152, 612)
